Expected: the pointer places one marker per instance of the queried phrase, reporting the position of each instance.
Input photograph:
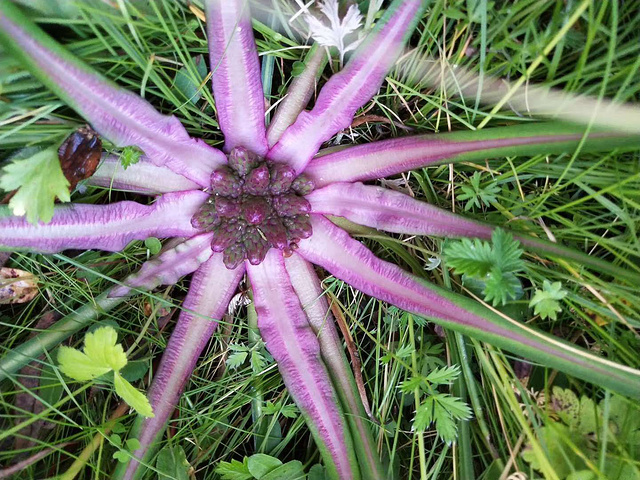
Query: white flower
(432, 263)
(334, 35)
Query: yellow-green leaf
(136, 399)
(102, 347)
(79, 366)
(39, 180)
(101, 355)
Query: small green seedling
(101, 355)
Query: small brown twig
(353, 353)
(18, 467)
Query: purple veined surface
(237, 85)
(397, 155)
(298, 94)
(292, 342)
(347, 259)
(104, 227)
(117, 114)
(212, 287)
(391, 211)
(307, 286)
(351, 88)
(143, 177)
(170, 266)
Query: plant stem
(416, 395)
(30, 350)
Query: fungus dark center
(255, 205)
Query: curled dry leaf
(79, 155)
(17, 286)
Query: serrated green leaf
(290, 411)
(546, 301)
(134, 398)
(443, 375)
(234, 470)
(477, 195)
(446, 427)
(405, 351)
(500, 287)
(489, 267)
(236, 359)
(130, 156)
(257, 360)
(443, 410)
(102, 347)
(424, 415)
(75, 364)
(506, 251)
(469, 257)
(412, 384)
(260, 464)
(39, 181)
(457, 408)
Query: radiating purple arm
(294, 345)
(334, 250)
(170, 266)
(117, 114)
(351, 88)
(396, 212)
(237, 86)
(104, 227)
(390, 157)
(298, 94)
(307, 286)
(143, 177)
(392, 211)
(212, 287)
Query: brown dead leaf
(17, 286)
(362, 119)
(79, 155)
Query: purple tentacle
(298, 95)
(390, 157)
(143, 177)
(349, 260)
(212, 287)
(311, 294)
(170, 266)
(104, 227)
(392, 211)
(237, 86)
(117, 114)
(292, 342)
(351, 88)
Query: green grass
(591, 202)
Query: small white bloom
(432, 264)
(334, 34)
